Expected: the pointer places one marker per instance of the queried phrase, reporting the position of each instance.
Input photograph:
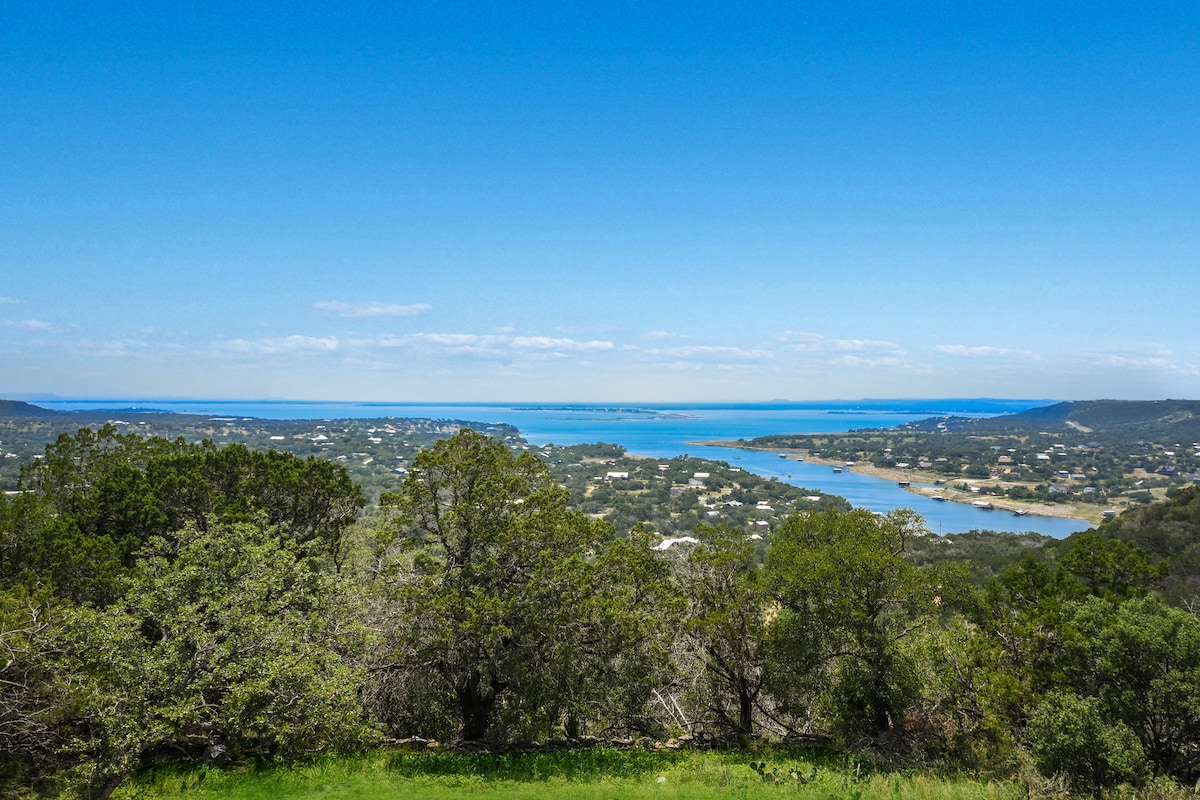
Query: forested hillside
(1168, 532)
(1157, 420)
(165, 600)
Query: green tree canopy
(848, 597)
(1141, 661)
(506, 606)
(727, 609)
(233, 638)
(98, 497)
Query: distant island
(608, 410)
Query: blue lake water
(665, 431)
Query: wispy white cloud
(592, 329)
(711, 353)
(8, 301)
(1148, 360)
(109, 348)
(559, 344)
(1143, 356)
(983, 351)
(371, 308)
(272, 346)
(854, 360)
(816, 343)
(1118, 361)
(499, 346)
(373, 342)
(816, 350)
(32, 325)
(453, 339)
(466, 344)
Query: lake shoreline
(921, 487)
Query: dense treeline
(1170, 533)
(163, 601)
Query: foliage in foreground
(166, 603)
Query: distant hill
(16, 408)
(1111, 413)
(1165, 421)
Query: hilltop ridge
(1121, 420)
(19, 408)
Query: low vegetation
(601, 774)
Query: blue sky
(599, 201)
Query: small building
(667, 544)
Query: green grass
(588, 775)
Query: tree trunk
(884, 718)
(105, 790)
(745, 709)
(476, 699)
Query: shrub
(1069, 737)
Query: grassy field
(588, 775)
